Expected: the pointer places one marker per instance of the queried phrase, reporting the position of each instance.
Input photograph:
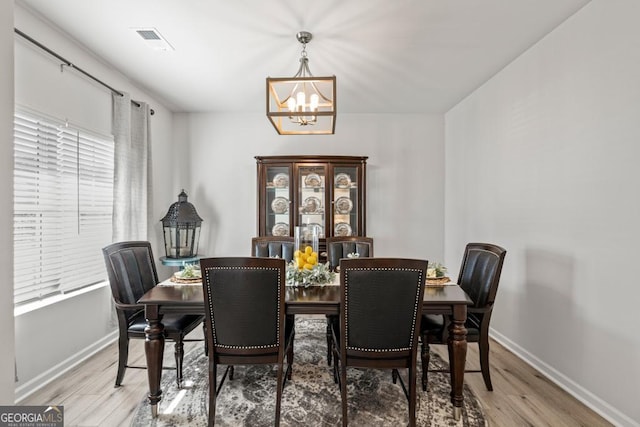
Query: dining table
(170, 297)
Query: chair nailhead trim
(415, 307)
(213, 326)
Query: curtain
(132, 169)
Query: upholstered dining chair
(380, 313)
(337, 248)
(341, 246)
(273, 246)
(132, 272)
(479, 277)
(244, 300)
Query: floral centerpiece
(435, 270)
(190, 271)
(305, 270)
(436, 274)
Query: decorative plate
(178, 277)
(185, 281)
(280, 205)
(312, 180)
(280, 229)
(342, 229)
(281, 180)
(343, 180)
(311, 205)
(343, 205)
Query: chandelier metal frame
(302, 104)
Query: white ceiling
(389, 56)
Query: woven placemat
(186, 281)
(437, 281)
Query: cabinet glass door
(311, 197)
(278, 201)
(345, 200)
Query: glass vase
(307, 235)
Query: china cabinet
(322, 192)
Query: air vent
(149, 34)
(152, 37)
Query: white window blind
(63, 197)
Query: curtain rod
(71, 65)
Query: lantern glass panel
(181, 241)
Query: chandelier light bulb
(300, 99)
(313, 102)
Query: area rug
(311, 398)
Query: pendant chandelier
(302, 104)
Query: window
(63, 196)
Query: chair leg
(329, 341)
(412, 395)
(212, 392)
(290, 359)
(336, 364)
(483, 345)
(426, 356)
(179, 354)
(206, 345)
(291, 318)
(123, 356)
(280, 386)
(343, 393)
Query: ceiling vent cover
(152, 37)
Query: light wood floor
(521, 396)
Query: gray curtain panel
(132, 169)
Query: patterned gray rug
(311, 398)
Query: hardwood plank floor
(521, 396)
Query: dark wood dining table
(168, 297)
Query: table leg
(154, 351)
(457, 343)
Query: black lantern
(181, 227)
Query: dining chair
(132, 272)
(341, 246)
(337, 248)
(273, 246)
(479, 277)
(244, 300)
(379, 322)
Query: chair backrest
(480, 272)
(381, 305)
(131, 271)
(273, 246)
(244, 304)
(340, 247)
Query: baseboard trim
(604, 409)
(27, 389)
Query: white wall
(6, 212)
(543, 159)
(404, 176)
(39, 85)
